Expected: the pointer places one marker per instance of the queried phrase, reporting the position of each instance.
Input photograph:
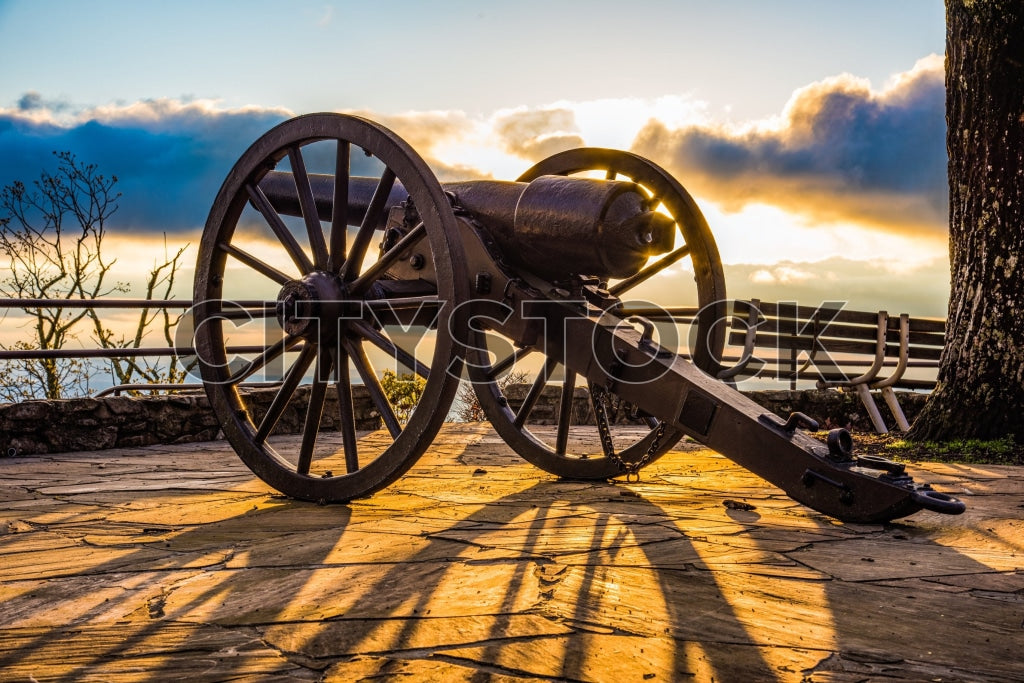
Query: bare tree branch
(52, 236)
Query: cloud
(29, 101)
(170, 157)
(782, 274)
(425, 132)
(33, 105)
(538, 133)
(864, 285)
(839, 151)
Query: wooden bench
(835, 347)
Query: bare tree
(51, 235)
(467, 404)
(980, 393)
(135, 369)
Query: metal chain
(600, 399)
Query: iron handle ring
(935, 501)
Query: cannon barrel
(552, 226)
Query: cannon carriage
(335, 242)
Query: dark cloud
(170, 158)
(29, 101)
(33, 101)
(842, 152)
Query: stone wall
(831, 408)
(126, 421)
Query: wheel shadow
(445, 576)
(86, 592)
(668, 583)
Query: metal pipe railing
(117, 389)
(677, 314)
(183, 304)
(125, 352)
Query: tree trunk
(981, 375)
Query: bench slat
(833, 346)
(928, 325)
(803, 314)
(841, 331)
(782, 371)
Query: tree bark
(980, 393)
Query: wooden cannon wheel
(584, 457)
(302, 302)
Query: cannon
(334, 243)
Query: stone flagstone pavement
(174, 562)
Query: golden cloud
(839, 152)
(537, 134)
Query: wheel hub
(314, 306)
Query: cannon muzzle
(554, 226)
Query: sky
(810, 132)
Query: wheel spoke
(565, 411)
(284, 235)
(339, 215)
(385, 345)
(254, 263)
(650, 271)
(268, 355)
(308, 204)
(346, 411)
(314, 411)
(374, 213)
(285, 393)
(372, 384)
(360, 284)
(533, 395)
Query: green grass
(959, 450)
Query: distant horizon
(812, 135)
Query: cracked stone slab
(409, 637)
(127, 653)
(589, 656)
(875, 559)
(84, 600)
(175, 562)
(372, 668)
(411, 589)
